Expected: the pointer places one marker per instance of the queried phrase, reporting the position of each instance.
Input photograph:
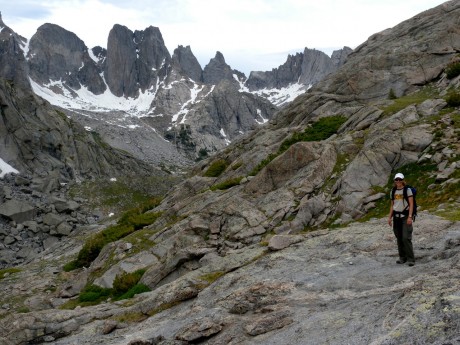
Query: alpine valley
(147, 200)
(163, 109)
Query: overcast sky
(251, 34)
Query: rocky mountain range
(280, 237)
(136, 89)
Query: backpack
(414, 193)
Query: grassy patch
(8, 271)
(163, 307)
(216, 168)
(130, 222)
(319, 130)
(414, 98)
(263, 163)
(133, 317)
(212, 277)
(123, 194)
(227, 183)
(451, 213)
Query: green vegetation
(216, 168)
(94, 294)
(236, 165)
(212, 277)
(453, 70)
(202, 154)
(123, 194)
(130, 222)
(125, 286)
(319, 130)
(414, 98)
(391, 94)
(453, 99)
(227, 183)
(8, 271)
(264, 163)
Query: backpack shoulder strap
(393, 193)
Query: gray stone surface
(17, 211)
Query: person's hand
(409, 221)
(389, 221)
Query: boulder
(18, 211)
(279, 242)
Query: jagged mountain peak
(136, 74)
(217, 70)
(184, 60)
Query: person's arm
(411, 209)
(390, 216)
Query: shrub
(453, 70)
(453, 99)
(124, 282)
(216, 168)
(129, 222)
(136, 289)
(94, 293)
(391, 94)
(124, 286)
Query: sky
(253, 35)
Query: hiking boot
(400, 261)
(411, 263)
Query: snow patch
(92, 56)
(5, 168)
(86, 100)
(194, 92)
(227, 141)
(280, 97)
(264, 120)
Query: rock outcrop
(432, 43)
(58, 56)
(136, 61)
(305, 68)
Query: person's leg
(398, 231)
(407, 241)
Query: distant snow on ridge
(283, 96)
(87, 100)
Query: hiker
(401, 215)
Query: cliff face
(36, 137)
(305, 68)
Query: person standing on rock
(401, 211)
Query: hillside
(282, 237)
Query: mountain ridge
(137, 75)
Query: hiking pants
(403, 233)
